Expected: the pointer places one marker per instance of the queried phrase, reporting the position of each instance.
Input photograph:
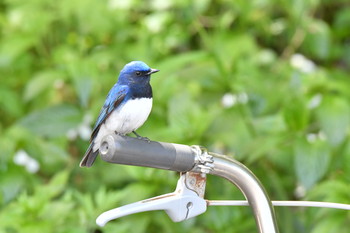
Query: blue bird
(126, 108)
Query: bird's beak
(152, 71)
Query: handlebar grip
(137, 152)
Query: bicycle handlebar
(132, 151)
(182, 158)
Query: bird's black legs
(136, 134)
(140, 137)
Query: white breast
(125, 119)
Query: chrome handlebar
(182, 158)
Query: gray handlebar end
(138, 152)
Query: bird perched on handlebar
(127, 107)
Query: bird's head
(136, 72)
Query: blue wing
(114, 98)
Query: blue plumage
(126, 108)
(114, 98)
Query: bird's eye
(138, 73)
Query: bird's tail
(89, 157)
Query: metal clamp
(203, 161)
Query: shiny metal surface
(250, 186)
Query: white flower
(83, 130)
(277, 27)
(300, 191)
(122, 5)
(22, 158)
(16, 18)
(301, 63)
(315, 101)
(228, 100)
(311, 137)
(155, 22)
(266, 57)
(72, 134)
(87, 119)
(33, 166)
(161, 4)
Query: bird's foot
(120, 134)
(140, 137)
(144, 138)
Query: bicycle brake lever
(184, 203)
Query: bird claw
(144, 138)
(140, 137)
(120, 134)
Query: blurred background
(265, 81)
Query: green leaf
(53, 156)
(56, 186)
(318, 40)
(52, 121)
(334, 118)
(10, 102)
(12, 47)
(137, 192)
(187, 119)
(311, 161)
(177, 63)
(296, 115)
(83, 87)
(39, 83)
(263, 124)
(331, 224)
(340, 191)
(11, 184)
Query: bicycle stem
(182, 158)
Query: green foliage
(265, 81)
